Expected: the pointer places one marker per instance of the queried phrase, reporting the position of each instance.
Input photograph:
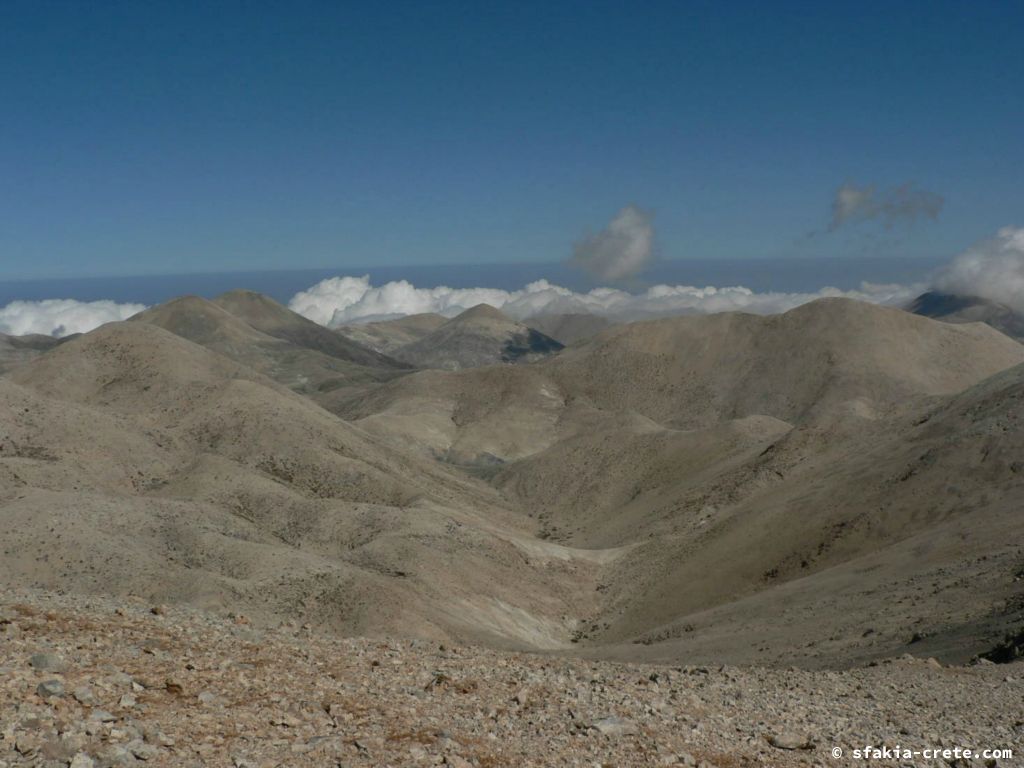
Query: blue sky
(147, 137)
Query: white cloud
(341, 300)
(993, 269)
(61, 317)
(904, 203)
(620, 251)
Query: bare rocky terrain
(94, 682)
(568, 327)
(15, 350)
(388, 336)
(480, 336)
(728, 539)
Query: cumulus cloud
(342, 300)
(906, 202)
(621, 250)
(992, 269)
(61, 317)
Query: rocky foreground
(90, 682)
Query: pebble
(615, 726)
(50, 689)
(789, 740)
(48, 662)
(83, 695)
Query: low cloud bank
(61, 317)
(993, 269)
(342, 300)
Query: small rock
(287, 720)
(789, 740)
(119, 756)
(127, 701)
(208, 698)
(121, 679)
(142, 750)
(82, 760)
(50, 689)
(83, 695)
(26, 745)
(48, 662)
(615, 726)
(57, 750)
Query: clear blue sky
(148, 137)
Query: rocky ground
(91, 682)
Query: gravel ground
(92, 682)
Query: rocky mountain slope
(135, 461)
(273, 340)
(787, 447)
(830, 361)
(568, 328)
(388, 336)
(15, 350)
(479, 336)
(823, 488)
(91, 682)
(267, 316)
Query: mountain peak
(482, 312)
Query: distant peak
(191, 303)
(242, 294)
(481, 312)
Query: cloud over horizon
(61, 317)
(992, 269)
(621, 250)
(905, 203)
(341, 300)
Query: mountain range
(823, 487)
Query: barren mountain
(136, 462)
(266, 315)
(15, 350)
(388, 336)
(753, 466)
(568, 328)
(969, 309)
(906, 538)
(828, 361)
(479, 336)
(824, 487)
(287, 349)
